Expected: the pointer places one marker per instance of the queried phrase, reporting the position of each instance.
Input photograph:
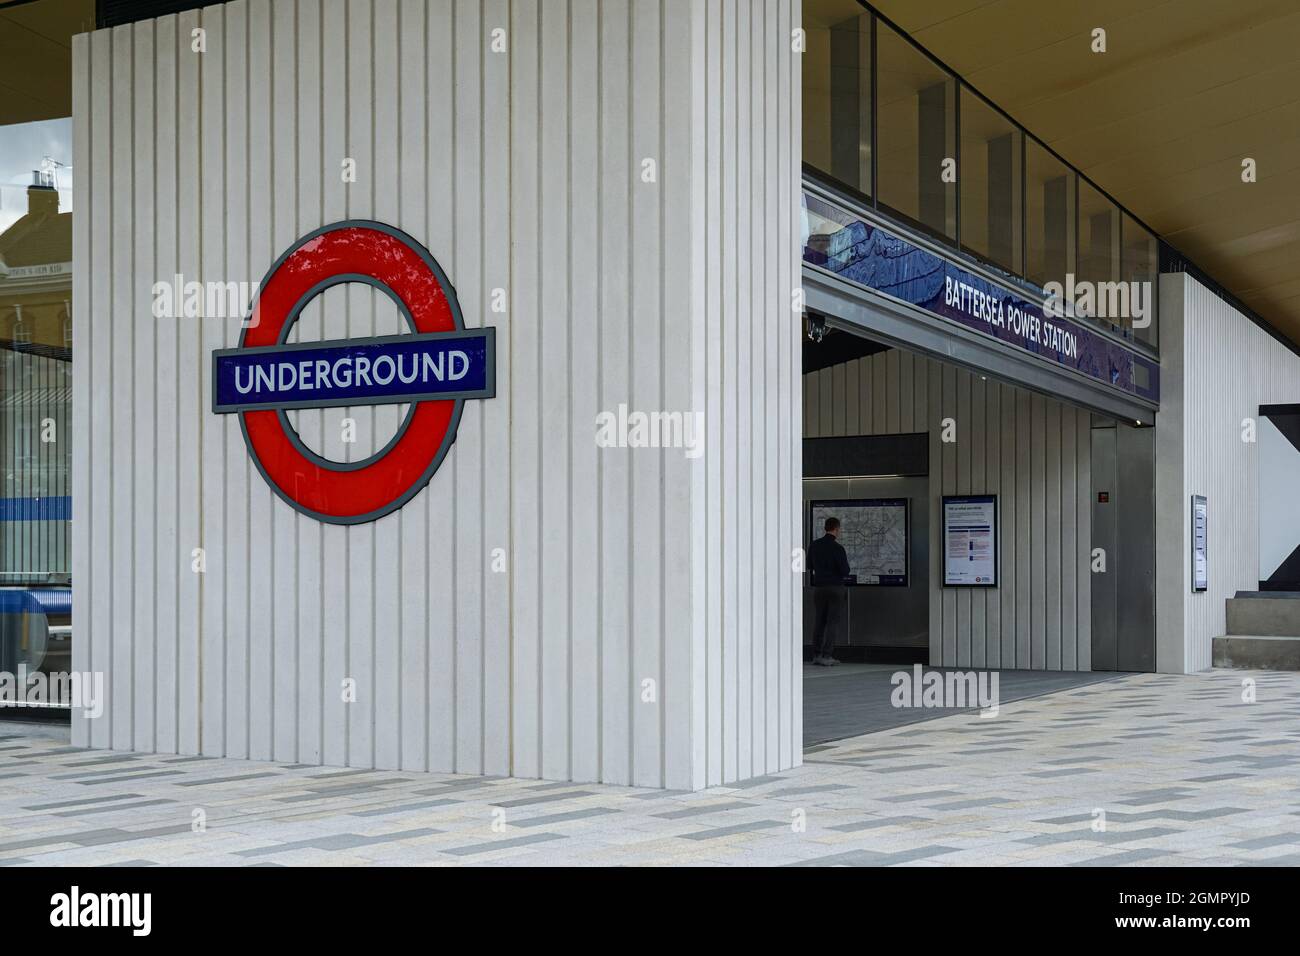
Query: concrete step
(1257, 652)
(1269, 614)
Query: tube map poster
(873, 532)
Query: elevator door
(1123, 527)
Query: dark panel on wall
(1135, 548)
(1105, 503)
(860, 456)
(1123, 526)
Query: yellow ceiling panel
(1161, 121)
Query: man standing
(830, 571)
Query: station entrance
(892, 439)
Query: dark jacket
(828, 562)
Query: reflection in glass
(991, 213)
(837, 91)
(1141, 264)
(35, 396)
(1049, 207)
(917, 139)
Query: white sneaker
(829, 661)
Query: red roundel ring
(378, 254)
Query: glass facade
(36, 209)
(916, 136)
(992, 207)
(909, 138)
(1049, 217)
(1098, 259)
(1141, 265)
(837, 100)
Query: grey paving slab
(131, 863)
(137, 776)
(876, 823)
(970, 804)
(405, 808)
(876, 858)
(114, 807)
(1147, 797)
(231, 778)
(1087, 835)
(924, 795)
(565, 817)
(1272, 840)
(804, 791)
(503, 844)
(756, 782)
(340, 841)
(84, 801)
(544, 798)
(1123, 858)
(703, 809)
(716, 833)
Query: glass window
(837, 91)
(917, 137)
(990, 183)
(35, 396)
(1141, 269)
(1049, 216)
(36, 209)
(1098, 239)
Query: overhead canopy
(36, 57)
(1162, 120)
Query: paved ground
(1183, 769)
(852, 699)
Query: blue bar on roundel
(388, 370)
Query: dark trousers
(828, 602)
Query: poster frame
(1199, 587)
(997, 539)
(814, 533)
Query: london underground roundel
(435, 367)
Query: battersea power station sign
(435, 368)
(865, 253)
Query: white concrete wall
(746, 519)
(1218, 367)
(520, 171)
(1031, 451)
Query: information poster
(873, 532)
(1200, 544)
(970, 541)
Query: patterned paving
(1184, 770)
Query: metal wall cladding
(1031, 451)
(545, 608)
